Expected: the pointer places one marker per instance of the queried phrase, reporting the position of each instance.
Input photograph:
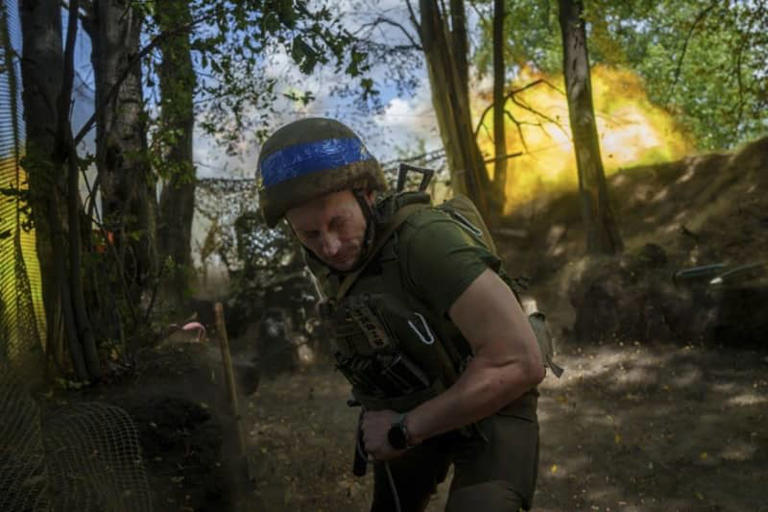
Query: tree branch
(83, 10)
(381, 20)
(98, 221)
(414, 20)
(503, 157)
(483, 18)
(679, 67)
(428, 155)
(511, 95)
(537, 113)
(740, 81)
(69, 68)
(518, 125)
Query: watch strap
(400, 425)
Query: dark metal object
(427, 175)
(720, 273)
(698, 273)
(736, 274)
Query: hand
(376, 425)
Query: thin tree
(602, 233)
(499, 100)
(443, 36)
(127, 185)
(177, 90)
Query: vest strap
(395, 222)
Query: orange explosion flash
(632, 131)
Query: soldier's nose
(331, 245)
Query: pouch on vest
(373, 334)
(538, 322)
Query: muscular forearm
(482, 389)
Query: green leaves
(304, 55)
(704, 61)
(356, 63)
(233, 43)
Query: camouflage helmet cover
(309, 158)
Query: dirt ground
(627, 428)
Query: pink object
(192, 326)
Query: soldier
(426, 325)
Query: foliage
(244, 244)
(704, 61)
(532, 32)
(232, 44)
(711, 74)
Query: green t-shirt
(440, 259)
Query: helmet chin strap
(371, 219)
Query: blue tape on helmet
(301, 159)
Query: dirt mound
(182, 444)
(177, 401)
(631, 297)
(702, 210)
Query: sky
(405, 123)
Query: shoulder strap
(389, 229)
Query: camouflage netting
(265, 266)
(24, 481)
(94, 460)
(83, 457)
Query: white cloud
(403, 125)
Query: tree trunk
(129, 205)
(499, 135)
(68, 154)
(602, 233)
(177, 88)
(445, 51)
(46, 102)
(42, 67)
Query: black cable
(392, 485)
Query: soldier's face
(332, 227)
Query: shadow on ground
(627, 428)
(663, 428)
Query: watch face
(396, 437)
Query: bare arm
(506, 361)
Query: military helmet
(309, 158)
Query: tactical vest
(393, 349)
(387, 343)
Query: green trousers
(493, 470)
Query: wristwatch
(398, 434)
